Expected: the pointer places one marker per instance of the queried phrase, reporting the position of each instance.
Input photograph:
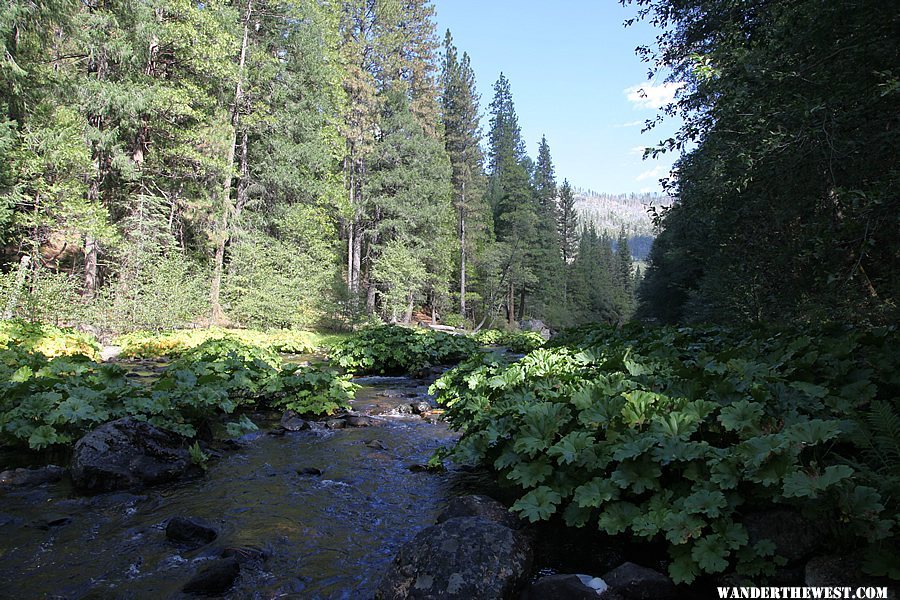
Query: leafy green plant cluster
(48, 340)
(148, 344)
(391, 349)
(45, 402)
(673, 435)
(517, 341)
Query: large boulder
(128, 453)
(536, 325)
(480, 506)
(640, 583)
(459, 559)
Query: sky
(574, 76)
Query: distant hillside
(609, 212)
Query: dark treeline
(787, 205)
(275, 163)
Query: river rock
(794, 537)
(420, 408)
(128, 453)
(480, 506)
(244, 554)
(569, 587)
(189, 531)
(459, 559)
(536, 325)
(309, 472)
(362, 421)
(640, 583)
(291, 421)
(51, 521)
(214, 579)
(24, 477)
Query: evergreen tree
(544, 250)
(515, 217)
(462, 140)
(408, 193)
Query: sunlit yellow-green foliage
(48, 340)
(148, 344)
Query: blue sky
(573, 73)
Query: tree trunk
(462, 253)
(370, 294)
(218, 316)
(91, 251)
(407, 318)
(522, 304)
(511, 304)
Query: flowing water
(328, 536)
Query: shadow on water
(329, 536)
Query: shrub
(46, 402)
(391, 349)
(147, 344)
(520, 342)
(48, 340)
(672, 435)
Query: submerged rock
(51, 522)
(309, 472)
(459, 559)
(128, 453)
(189, 531)
(480, 506)
(214, 579)
(24, 477)
(362, 421)
(244, 554)
(640, 583)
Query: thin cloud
(652, 96)
(637, 150)
(630, 124)
(654, 173)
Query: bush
(46, 402)
(48, 340)
(391, 349)
(672, 435)
(147, 344)
(520, 342)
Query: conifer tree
(510, 194)
(462, 140)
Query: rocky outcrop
(640, 583)
(128, 453)
(459, 559)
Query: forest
(311, 165)
(239, 237)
